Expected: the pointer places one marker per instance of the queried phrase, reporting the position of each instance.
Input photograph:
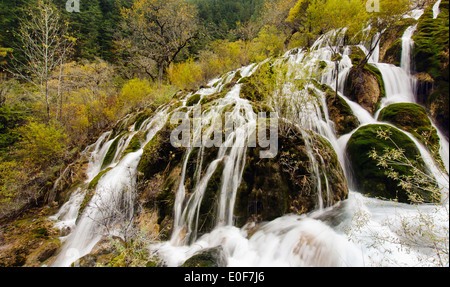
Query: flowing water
(436, 9)
(360, 231)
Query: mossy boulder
(370, 178)
(159, 153)
(356, 55)
(339, 111)
(394, 54)
(286, 184)
(260, 84)
(193, 100)
(212, 257)
(413, 119)
(365, 86)
(141, 117)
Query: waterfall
(340, 235)
(113, 198)
(436, 9)
(231, 153)
(407, 46)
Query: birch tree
(44, 43)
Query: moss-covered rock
(356, 55)
(193, 100)
(394, 54)
(391, 41)
(365, 86)
(159, 153)
(29, 241)
(286, 184)
(339, 112)
(135, 143)
(212, 257)
(141, 117)
(431, 56)
(260, 84)
(369, 177)
(413, 119)
(110, 154)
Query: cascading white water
(290, 240)
(113, 199)
(407, 46)
(232, 153)
(436, 9)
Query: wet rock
(287, 184)
(365, 86)
(212, 257)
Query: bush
(135, 92)
(185, 75)
(41, 144)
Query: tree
(159, 30)
(275, 14)
(300, 20)
(43, 43)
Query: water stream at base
(360, 231)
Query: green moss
(193, 100)
(94, 182)
(211, 98)
(431, 39)
(394, 53)
(244, 80)
(356, 55)
(159, 153)
(370, 178)
(413, 119)
(135, 143)
(287, 180)
(322, 65)
(260, 84)
(109, 157)
(141, 117)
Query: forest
(77, 85)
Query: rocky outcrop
(289, 181)
(29, 241)
(365, 86)
(391, 42)
(431, 61)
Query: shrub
(41, 144)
